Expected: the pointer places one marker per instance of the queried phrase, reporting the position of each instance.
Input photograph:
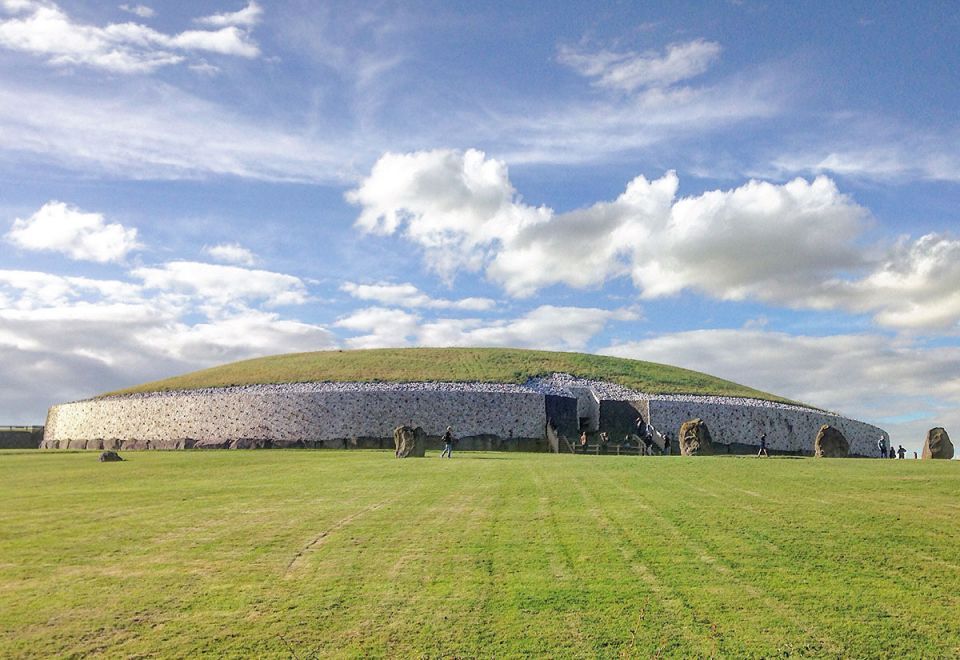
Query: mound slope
(492, 365)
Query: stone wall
(790, 430)
(237, 418)
(483, 416)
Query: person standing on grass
(763, 445)
(893, 452)
(881, 445)
(666, 443)
(901, 453)
(447, 443)
(648, 445)
(583, 442)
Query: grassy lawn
(250, 553)
(452, 364)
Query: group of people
(645, 440)
(899, 452)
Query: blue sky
(763, 191)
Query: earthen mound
(409, 441)
(830, 443)
(695, 438)
(937, 444)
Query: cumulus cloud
(761, 238)
(80, 235)
(795, 244)
(407, 295)
(546, 327)
(232, 253)
(630, 70)
(45, 30)
(122, 333)
(224, 285)
(246, 17)
(901, 386)
(456, 205)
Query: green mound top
(491, 365)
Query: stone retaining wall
(237, 418)
(789, 429)
(483, 416)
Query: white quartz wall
(788, 429)
(217, 417)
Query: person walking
(901, 453)
(666, 443)
(447, 443)
(763, 445)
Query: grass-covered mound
(307, 554)
(452, 365)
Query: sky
(767, 192)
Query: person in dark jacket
(447, 443)
(763, 446)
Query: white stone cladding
(788, 428)
(324, 414)
(288, 417)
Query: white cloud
(143, 11)
(224, 285)
(795, 244)
(120, 334)
(914, 286)
(47, 31)
(902, 387)
(155, 131)
(246, 17)
(30, 290)
(455, 205)
(232, 253)
(629, 71)
(546, 327)
(760, 239)
(85, 236)
(407, 295)
(238, 336)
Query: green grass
(452, 364)
(240, 554)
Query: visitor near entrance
(882, 446)
(901, 452)
(447, 443)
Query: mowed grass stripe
(186, 554)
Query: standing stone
(937, 444)
(409, 441)
(109, 457)
(830, 443)
(695, 438)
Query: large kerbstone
(830, 443)
(937, 444)
(110, 457)
(409, 441)
(695, 438)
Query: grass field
(452, 365)
(283, 553)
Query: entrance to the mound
(588, 408)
